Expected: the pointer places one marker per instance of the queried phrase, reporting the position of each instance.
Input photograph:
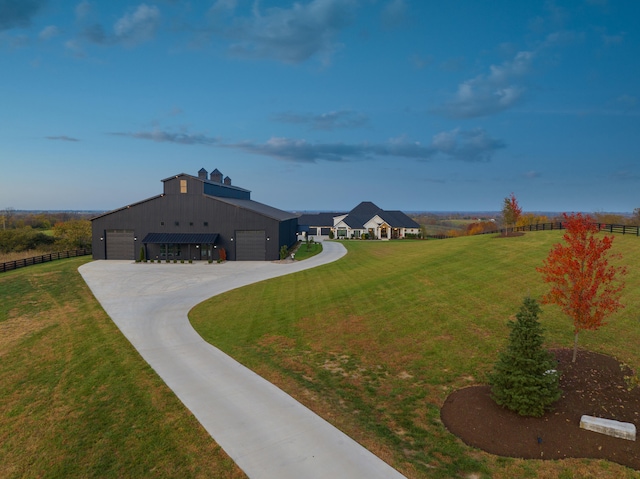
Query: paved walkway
(264, 430)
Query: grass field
(376, 341)
(305, 251)
(76, 399)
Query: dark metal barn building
(194, 219)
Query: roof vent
(202, 174)
(227, 181)
(216, 176)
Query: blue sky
(318, 105)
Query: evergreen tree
(525, 379)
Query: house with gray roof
(193, 219)
(366, 218)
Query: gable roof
(365, 211)
(219, 186)
(366, 208)
(317, 219)
(398, 219)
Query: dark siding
(187, 213)
(194, 185)
(288, 230)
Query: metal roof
(180, 238)
(259, 208)
(318, 219)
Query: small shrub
(284, 251)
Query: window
(162, 223)
(183, 186)
(206, 223)
(177, 223)
(190, 223)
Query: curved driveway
(264, 430)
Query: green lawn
(376, 341)
(305, 250)
(76, 399)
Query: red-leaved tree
(511, 210)
(583, 282)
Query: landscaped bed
(594, 385)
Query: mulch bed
(594, 385)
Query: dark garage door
(120, 244)
(250, 246)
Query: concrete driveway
(264, 430)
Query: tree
(511, 211)
(583, 282)
(524, 379)
(531, 219)
(73, 234)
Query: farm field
(77, 400)
(376, 341)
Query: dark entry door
(251, 245)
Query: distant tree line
(44, 231)
(462, 224)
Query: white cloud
(325, 121)
(487, 94)
(49, 32)
(138, 26)
(290, 35)
(62, 138)
(223, 6)
(83, 10)
(161, 136)
(468, 146)
(394, 14)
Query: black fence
(609, 228)
(45, 258)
